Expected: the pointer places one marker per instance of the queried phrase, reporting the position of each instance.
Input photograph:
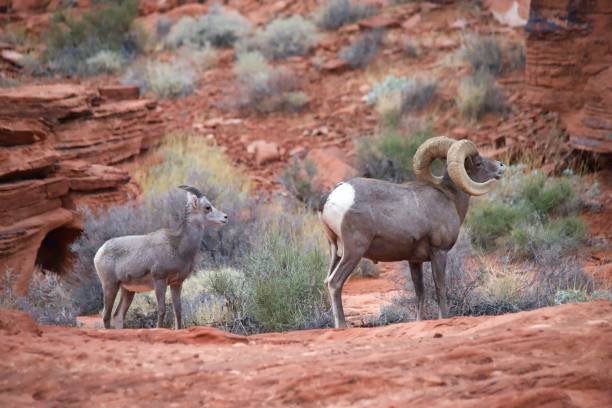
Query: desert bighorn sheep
(141, 263)
(416, 222)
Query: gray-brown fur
(416, 222)
(139, 263)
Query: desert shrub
(48, 300)
(285, 272)
(395, 96)
(412, 49)
(530, 215)
(388, 155)
(483, 53)
(298, 178)
(203, 58)
(163, 79)
(336, 13)
(286, 37)
(581, 295)
(71, 42)
(479, 94)
(162, 27)
(545, 241)
(515, 54)
(360, 53)
(220, 27)
(264, 89)
(105, 62)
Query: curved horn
(192, 190)
(434, 148)
(455, 164)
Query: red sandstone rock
(332, 166)
(119, 92)
(264, 152)
(337, 65)
(379, 22)
(55, 142)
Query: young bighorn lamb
(141, 263)
(416, 222)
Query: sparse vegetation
(388, 155)
(394, 97)
(72, 42)
(264, 89)
(533, 216)
(479, 94)
(48, 300)
(360, 53)
(298, 179)
(163, 79)
(336, 13)
(286, 37)
(220, 28)
(105, 62)
(486, 54)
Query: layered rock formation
(56, 144)
(569, 55)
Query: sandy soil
(553, 357)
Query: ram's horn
(192, 190)
(434, 148)
(455, 164)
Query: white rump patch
(338, 203)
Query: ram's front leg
(160, 294)
(438, 267)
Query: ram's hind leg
(110, 293)
(335, 283)
(124, 304)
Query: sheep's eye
(479, 164)
(208, 208)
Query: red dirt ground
(553, 357)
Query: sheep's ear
(193, 201)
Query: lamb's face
(204, 212)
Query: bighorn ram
(141, 263)
(416, 222)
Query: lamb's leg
(160, 294)
(110, 293)
(335, 282)
(126, 300)
(438, 267)
(416, 271)
(333, 257)
(176, 304)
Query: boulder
(264, 152)
(332, 167)
(119, 92)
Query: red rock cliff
(56, 142)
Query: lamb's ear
(192, 201)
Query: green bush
(531, 215)
(336, 13)
(71, 42)
(286, 37)
(220, 27)
(388, 155)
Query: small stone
(337, 65)
(264, 152)
(411, 22)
